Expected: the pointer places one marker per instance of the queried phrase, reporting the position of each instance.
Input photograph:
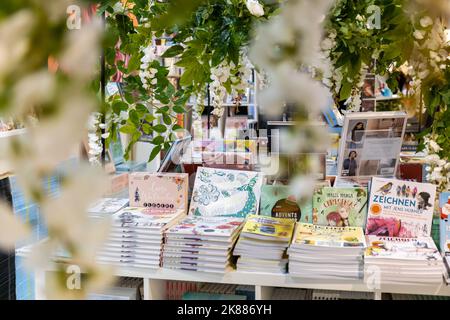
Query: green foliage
(205, 33)
(358, 42)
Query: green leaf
(173, 51)
(134, 117)
(167, 120)
(160, 128)
(147, 128)
(156, 150)
(119, 106)
(179, 109)
(176, 127)
(128, 128)
(345, 91)
(150, 118)
(158, 140)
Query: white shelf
(154, 282)
(279, 280)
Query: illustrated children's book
(422, 248)
(139, 217)
(260, 227)
(160, 192)
(278, 201)
(400, 208)
(444, 207)
(207, 226)
(229, 193)
(325, 236)
(340, 207)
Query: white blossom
(255, 7)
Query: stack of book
(403, 261)
(136, 237)
(263, 243)
(201, 243)
(331, 253)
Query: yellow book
(325, 236)
(277, 229)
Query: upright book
(340, 207)
(228, 193)
(278, 201)
(400, 208)
(159, 192)
(444, 207)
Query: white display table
(155, 282)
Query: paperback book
(444, 206)
(327, 236)
(159, 192)
(278, 201)
(108, 205)
(229, 193)
(340, 207)
(277, 229)
(400, 208)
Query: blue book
(444, 207)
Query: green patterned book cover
(340, 207)
(278, 201)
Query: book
(229, 193)
(277, 229)
(371, 144)
(417, 249)
(140, 217)
(444, 225)
(340, 207)
(400, 208)
(160, 192)
(327, 236)
(207, 226)
(278, 201)
(108, 205)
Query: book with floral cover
(229, 193)
(400, 208)
(160, 192)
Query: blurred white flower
(426, 22)
(11, 229)
(418, 34)
(80, 57)
(255, 7)
(434, 146)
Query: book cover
(276, 228)
(340, 207)
(278, 201)
(421, 248)
(444, 225)
(108, 205)
(371, 143)
(206, 226)
(140, 217)
(326, 236)
(229, 193)
(400, 208)
(164, 192)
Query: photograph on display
(371, 144)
